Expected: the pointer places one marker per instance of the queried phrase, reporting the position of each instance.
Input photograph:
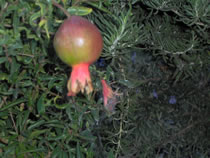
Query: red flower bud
(109, 96)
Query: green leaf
(4, 39)
(79, 154)
(132, 84)
(13, 104)
(36, 133)
(62, 106)
(10, 149)
(41, 105)
(47, 30)
(37, 150)
(111, 154)
(87, 135)
(3, 59)
(64, 154)
(25, 118)
(37, 124)
(15, 23)
(68, 112)
(63, 136)
(80, 11)
(98, 6)
(42, 7)
(15, 66)
(56, 152)
(33, 19)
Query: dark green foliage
(156, 56)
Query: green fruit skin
(78, 41)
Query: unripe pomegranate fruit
(78, 43)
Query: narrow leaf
(74, 10)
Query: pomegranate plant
(78, 43)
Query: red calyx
(80, 80)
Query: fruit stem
(61, 8)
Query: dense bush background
(156, 55)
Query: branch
(16, 130)
(61, 8)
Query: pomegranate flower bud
(109, 96)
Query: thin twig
(28, 55)
(61, 8)
(120, 136)
(13, 122)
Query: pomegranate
(78, 43)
